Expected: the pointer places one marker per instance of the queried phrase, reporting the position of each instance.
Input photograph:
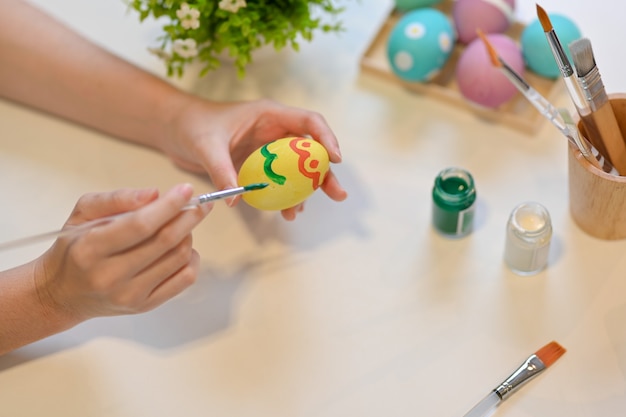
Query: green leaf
(277, 22)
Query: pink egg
(479, 80)
(490, 16)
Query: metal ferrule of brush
(592, 87)
(559, 54)
(514, 77)
(529, 369)
(205, 198)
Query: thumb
(97, 205)
(219, 166)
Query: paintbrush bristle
(550, 353)
(493, 54)
(546, 24)
(582, 54)
(257, 186)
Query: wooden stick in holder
(597, 199)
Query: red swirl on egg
(307, 165)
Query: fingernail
(338, 154)
(230, 202)
(185, 190)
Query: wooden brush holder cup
(597, 199)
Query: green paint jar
(454, 195)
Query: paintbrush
(598, 111)
(562, 61)
(193, 203)
(558, 117)
(589, 152)
(532, 366)
(601, 128)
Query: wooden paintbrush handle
(597, 199)
(603, 131)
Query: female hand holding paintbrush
(121, 252)
(139, 259)
(129, 265)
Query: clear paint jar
(453, 197)
(528, 236)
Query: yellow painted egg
(293, 167)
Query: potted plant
(204, 30)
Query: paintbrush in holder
(597, 116)
(598, 199)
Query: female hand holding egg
(217, 138)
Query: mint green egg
(536, 50)
(420, 44)
(406, 5)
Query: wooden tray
(517, 113)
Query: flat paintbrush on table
(532, 366)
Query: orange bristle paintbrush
(600, 123)
(533, 366)
(558, 117)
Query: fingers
(163, 280)
(166, 265)
(178, 265)
(143, 224)
(166, 243)
(291, 213)
(304, 122)
(319, 130)
(97, 205)
(131, 264)
(332, 188)
(186, 165)
(174, 284)
(242, 127)
(219, 165)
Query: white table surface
(354, 309)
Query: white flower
(232, 5)
(186, 48)
(189, 18)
